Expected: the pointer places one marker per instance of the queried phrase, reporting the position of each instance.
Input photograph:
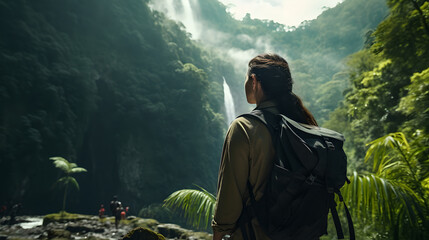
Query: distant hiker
(250, 162)
(118, 215)
(113, 205)
(123, 214)
(101, 211)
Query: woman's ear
(254, 82)
(257, 89)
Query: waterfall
(183, 11)
(229, 102)
(189, 18)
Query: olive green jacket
(247, 156)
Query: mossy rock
(141, 233)
(64, 217)
(145, 223)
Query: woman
(248, 152)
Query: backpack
(309, 168)
(113, 205)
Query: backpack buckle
(330, 145)
(310, 180)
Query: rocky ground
(87, 227)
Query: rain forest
(133, 98)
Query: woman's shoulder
(245, 119)
(247, 123)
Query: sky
(287, 12)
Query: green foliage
(197, 206)
(415, 105)
(403, 36)
(388, 94)
(392, 195)
(382, 97)
(68, 169)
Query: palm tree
(393, 194)
(68, 168)
(197, 206)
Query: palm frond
(380, 149)
(58, 158)
(422, 158)
(373, 197)
(61, 163)
(425, 184)
(73, 181)
(78, 170)
(63, 181)
(196, 205)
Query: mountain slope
(315, 50)
(110, 85)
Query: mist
(235, 49)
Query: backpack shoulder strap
(270, 120)
(332, 206)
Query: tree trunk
(65, 196)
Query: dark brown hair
(273, 72)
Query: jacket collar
(269, 106)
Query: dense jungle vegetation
(112, 86)
(387, 107)
(126, 93)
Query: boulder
(63, 217)
(82, 227)
(143, 234)
(58, 234)
(196, 236)
(171, 230)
